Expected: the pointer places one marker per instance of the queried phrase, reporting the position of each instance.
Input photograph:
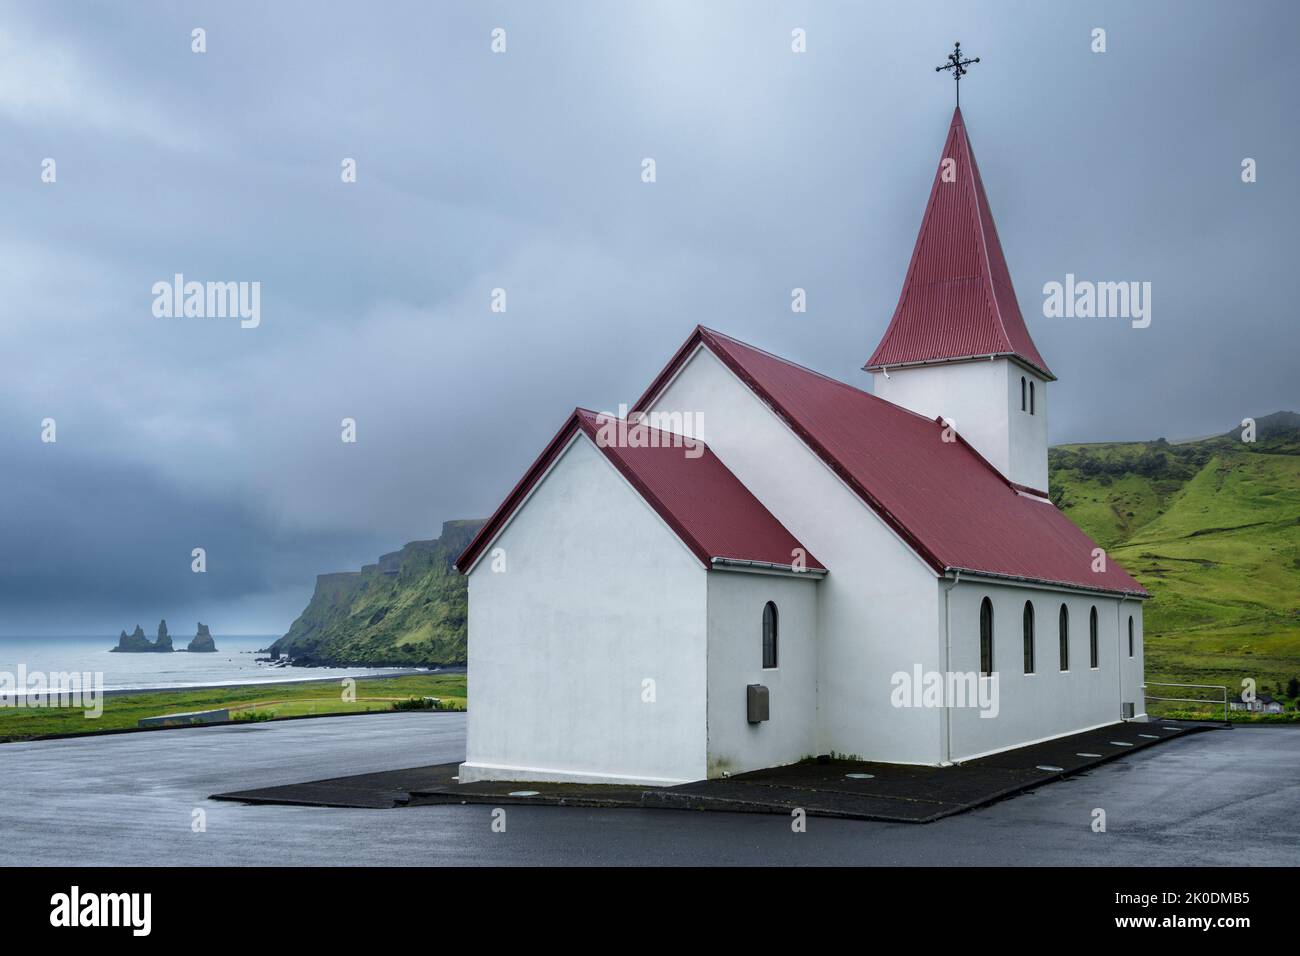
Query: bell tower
(957, 346)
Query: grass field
(1212, 529)
(249, 701)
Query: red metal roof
(949, 504)
(698, 497)
(957, 299)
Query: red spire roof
(957, 300)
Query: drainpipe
(1119, 637)
(947, 658)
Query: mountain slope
(1212, 529)
(407, 609)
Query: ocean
(232, 663)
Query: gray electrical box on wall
(1128, 710)
(756, 703)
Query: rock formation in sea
(137, 643)
(202, 642)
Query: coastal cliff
(408, 608)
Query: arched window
(1023, 406)
(986, 637)
(769, 634)
(1031, 398)
(1130, 635)
(1092, 638)
(1029, 637)
(1063, 626)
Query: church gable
(583, 595)
(713, 514)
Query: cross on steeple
(958, 67)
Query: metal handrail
(1190, 700)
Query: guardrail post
(1189, 700)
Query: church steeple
(957, 345)
(957, 300)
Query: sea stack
(202, 642)
(135, 642)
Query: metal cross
(958, 67)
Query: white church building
(759, 564)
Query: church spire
(957, 300)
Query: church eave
(1138, 594)
(767, 567)
(1015, 357)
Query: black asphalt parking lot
(1225, 798)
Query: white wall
(736, 602)
(1132, 668)
(1027, 442)
(1049, 702)
(878, 609)
(983, 399)
(598, 595)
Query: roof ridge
(812, 371)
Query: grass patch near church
(1212, 529)
(279, 700)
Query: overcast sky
(522, 170)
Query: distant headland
(137, 643)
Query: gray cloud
(522, 171)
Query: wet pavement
(1228, 798)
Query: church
(759, 564)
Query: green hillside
(1212, 529)
(407, 609)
